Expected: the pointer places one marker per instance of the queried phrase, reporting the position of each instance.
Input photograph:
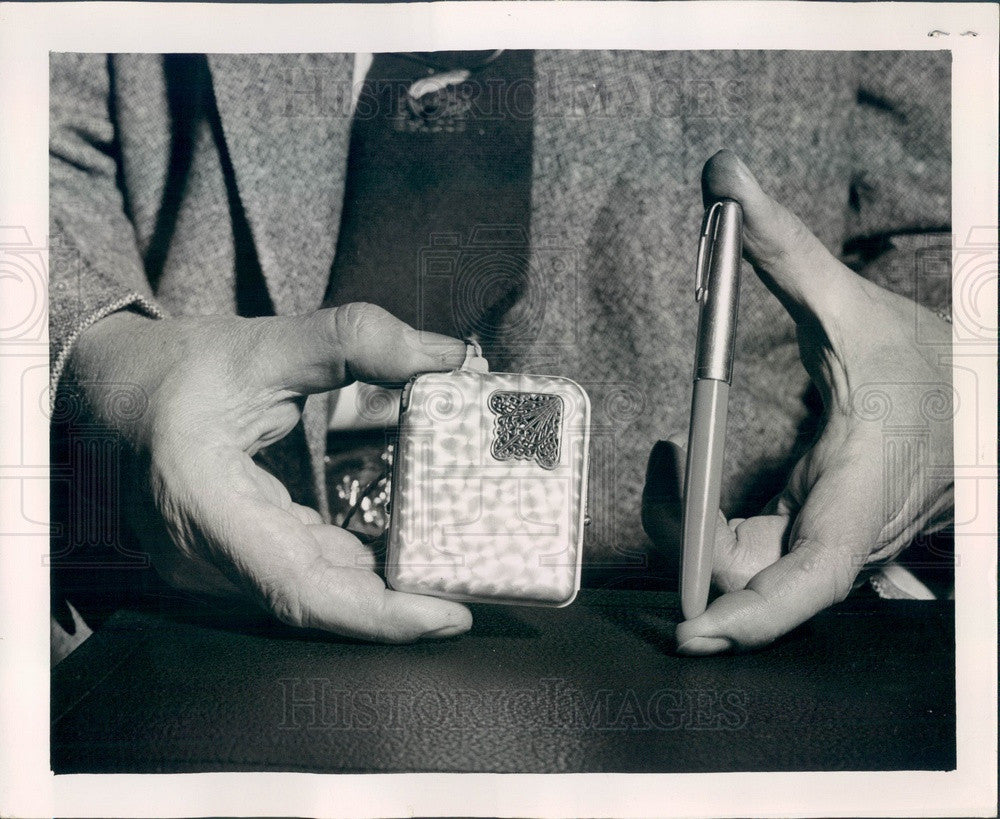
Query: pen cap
(718, 290)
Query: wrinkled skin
(844, 507)
(221, 388)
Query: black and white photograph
(530, 402)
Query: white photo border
(28, 32)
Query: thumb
(829, 543)
(790, 260)
(332, 347)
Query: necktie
(438, 194)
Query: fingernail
(445, 631)
(741, 167)
(701, 646)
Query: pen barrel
(719, 298)
(702, 487)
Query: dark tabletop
(868, 685)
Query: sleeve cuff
(62, 338)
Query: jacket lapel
(287, 124)
(286, 120)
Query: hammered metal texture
(468, 526)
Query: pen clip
(708, 228)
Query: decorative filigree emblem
(527, 427)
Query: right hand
(219, 390)
(851, 502)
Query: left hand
(212, 520)
(846, 504)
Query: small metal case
(489, 488)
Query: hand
(220, 389)
(844, 506)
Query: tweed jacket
(180, 184)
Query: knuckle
(352, 323)
(831, 575)
(286, 606)
(762, 622)
(841, 583)
(387, 622)
(380, 625)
